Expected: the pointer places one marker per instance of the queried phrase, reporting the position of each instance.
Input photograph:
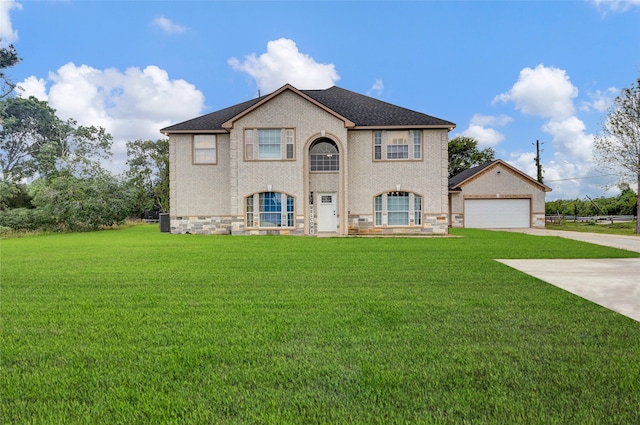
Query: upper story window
(269, 143)
(397, 145)
(204, 149)
(324, 156)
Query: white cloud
(543, 91)
(547, 92)
(376, 89)
(486, 137)
(7, 33)
(32, 86)
(168, 26)
(130, 105)
(283, 63)
(600, 101)
(570, 139)
(616, 5)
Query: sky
(507, 73)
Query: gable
(278, 93)
(489, 173)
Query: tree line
(51, 172)
(626, 203)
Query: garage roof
(456, 182)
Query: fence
(559, 218)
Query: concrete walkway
(613, 283)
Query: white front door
(327, 219)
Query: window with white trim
(378, 210)
(377, 145)
(417, 210)
(392, 145)
(417, 144)
(274, 209)
(269, 143)
(398, 209)
(397, 145)
(204, 149)
(324, 156)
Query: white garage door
(496, 213)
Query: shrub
(25, 219)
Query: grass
(619, 228)
(135, 326)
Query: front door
(327, 220)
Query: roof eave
(168, 132)
(447, 127)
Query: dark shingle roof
(214, 120)
(456, 181)
(362, 110)
(366, 111)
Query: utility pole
(538, 164)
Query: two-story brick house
(309, 162)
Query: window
(270, 143)
(249, 211)
(378, 210)
(396, 145)
(204, 149)
(290, 212)
(248, 144)
(275, 209)
(417, 144)
(324, 156)
(377, 145)
(397, 209)
(288, 134)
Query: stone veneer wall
(363, 225)
(226, 226)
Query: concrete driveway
(613, 283)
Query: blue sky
(507, 73)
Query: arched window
(324, 156)
(274, 209)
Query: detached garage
(494, 196)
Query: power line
(582, 178)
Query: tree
(464, 154)
(34, 142)
(82, 203)
(617, 146)
(627, 201)
(8, 58)
(149, 173)
(29, 126)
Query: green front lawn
(135, 326)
